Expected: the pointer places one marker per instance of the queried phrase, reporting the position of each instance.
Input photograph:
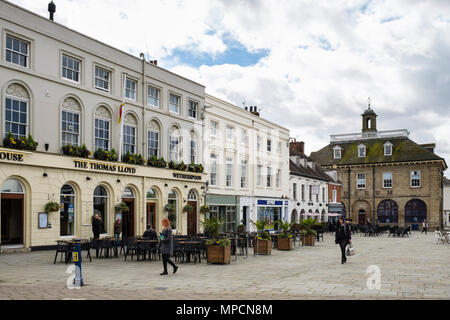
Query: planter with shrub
(218, 250)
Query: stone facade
(386, 177)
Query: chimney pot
(51, 9)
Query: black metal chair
(131, 247)
(86, 246)
(62, 248)
(106, 247)
(178, 251)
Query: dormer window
(388, 149)
(362, 151)
(337, 152)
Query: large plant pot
(309, 240)
(219, 254)
(285, 244)
(263, 247)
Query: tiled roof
(403, 150)
(316, 173)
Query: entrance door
(12, 218)
(151, 212)
(128, 219)
(362, 218)
(244, 216)
(192, 219)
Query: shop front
(335, 210)
(272, 210)
(225, 208)
(83, 187)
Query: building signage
(186, 176)
(270, 203)
(336, 208)
(104, 167)
(11, 156)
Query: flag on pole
(121, 111)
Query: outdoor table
(184, 243)
(141, 240)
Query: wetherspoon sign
(79, 164)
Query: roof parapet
(401, 133)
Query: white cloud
(397, 52)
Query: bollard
(77, 260)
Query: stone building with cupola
(386, 177)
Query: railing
(370, 135)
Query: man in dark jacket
(97, 226)
(150, 233)
(343, 237)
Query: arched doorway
(67, 211)
(12, 207)
(294, 216)
(323, 216)
(316, 215)
(128, 218)
(302, 215)
(192, 216)
(101, 205)
(415, 211)
(387, 211)
(362, 217)
(152, 199)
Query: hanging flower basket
(122, 207)
(51, 206)
(204, 209)
(188, 208)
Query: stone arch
(361, 211)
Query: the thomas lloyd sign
(11, 156)
(103, 167)
(186, 176)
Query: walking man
(343, 237)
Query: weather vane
(369, 102)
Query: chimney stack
(51, 9)
(297, 147)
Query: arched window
(127, 193)
(12, 186)
(415, 211)
(192, 195)
(302, 214)
(102, 128)
(154, 136)
(387, 212)
(67, 211)
(17, 100)
(174, 144)
(173, 200)
(323, 214)
(129, 134)
(70, 122)
(152, 194)
(101, 204)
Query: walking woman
(343, 237)
(167, 246)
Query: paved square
(411, 268)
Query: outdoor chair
(86, 246)
(178, 251)
(63, 249)
(106, 246)
(131, 245)
(142, 249)
(439, 237)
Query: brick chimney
(296, 147)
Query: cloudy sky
(310, 65)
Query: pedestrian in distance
(117, 228)
(425, 226)
(343, 237)
(167, 246)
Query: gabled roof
(403, 150)
(316, 173)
